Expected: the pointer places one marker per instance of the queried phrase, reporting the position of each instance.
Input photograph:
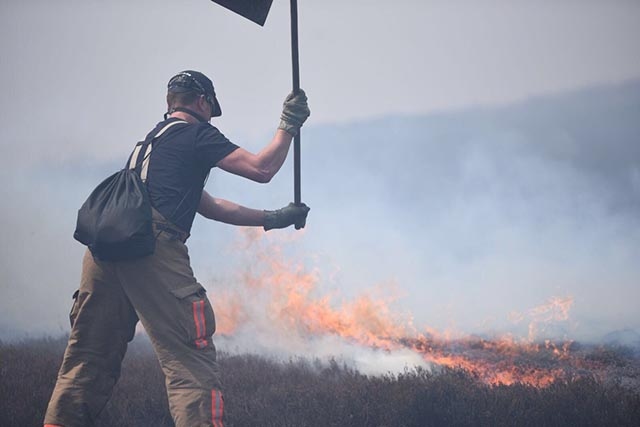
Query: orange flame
(285, 295)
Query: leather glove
(284, 217)
(294, 112)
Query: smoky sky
(488, 210)
(469, 216)
(81, 64)
(481, 157)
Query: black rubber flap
(254, 10)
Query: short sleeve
(211, 145)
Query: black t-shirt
(179, 163)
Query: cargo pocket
(74, 308)
(197, 317)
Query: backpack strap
(139, 159)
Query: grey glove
(290, 214)
(294, 112)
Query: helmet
(189, 80)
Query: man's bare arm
(229, 212)
(263, 166)
(259, 167)
(232, 213)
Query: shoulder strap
(140, 157)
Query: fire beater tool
(257, 11)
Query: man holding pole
(160, 290)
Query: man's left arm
(235, 214)
(263, 166)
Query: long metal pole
(297, 196)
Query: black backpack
(115, 221)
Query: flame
(282, 297)
(556, 309)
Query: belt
(171, 230)
(162, 225)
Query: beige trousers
(161, 291)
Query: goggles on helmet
(186, 81)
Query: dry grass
(263, 392)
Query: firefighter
(160, 290)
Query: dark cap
(195, 81)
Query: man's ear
(204, 105)
(202, 102)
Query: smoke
(479, 213)
(278, 305)
(326, 349)
(461, 218)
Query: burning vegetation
(449, 380)
(262, 392)
(278, 298)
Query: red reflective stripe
(203, 341)
(196, 318)
(217, 408)
(199, 320)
